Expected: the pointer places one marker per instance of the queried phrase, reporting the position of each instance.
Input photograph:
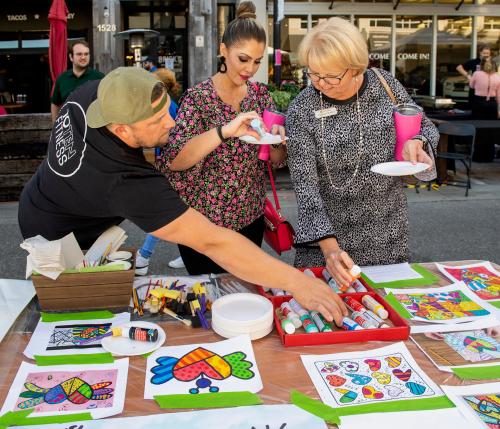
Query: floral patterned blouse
(228, 185)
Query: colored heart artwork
(393, 391)
(393, 361)
(373, 364)
(347, 395)
(402, 375)
(239, 366)
(478, 344)
(359, 379)
(329, 367)
(335, 380)
(349, 365)
(201, 362)
(382, 377)
(370, 392)
(415, 388)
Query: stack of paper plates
(242, 313)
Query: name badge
(325, 113)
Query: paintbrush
(186, 322)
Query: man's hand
(317, 295)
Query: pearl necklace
(360, 149)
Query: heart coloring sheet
(225, 366)
(358, 378)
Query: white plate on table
(121, 346)
(399, 168)
(267, 139)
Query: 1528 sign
(106, 27)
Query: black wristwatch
(423, 139)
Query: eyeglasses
(329, 80)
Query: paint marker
(354, 304)
(309, 273)
(320, 323)
(350, 325)
(290, 314)
(350, 289)
(376, 320)
(366, 323)
(358, 286)
(286, 324)
(355, 272)
(375, 306)
(277, 292)
(306, 320)
(329, 279)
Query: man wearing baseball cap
(95, 176)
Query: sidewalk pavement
(444, 225)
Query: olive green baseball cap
(124, 97)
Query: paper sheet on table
(14, 297)
(64, 337)
(107, 382)
(390, 273)
(479, 404)
(460, 348)
(449, 418)
(259, 416)
(225, 366)
(368, 377)
(51, 258)
(115, 236)
(418, 303)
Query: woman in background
(486, 85)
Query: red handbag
(278, 233)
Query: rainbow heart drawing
(370, 392)
(359, 379)
(347, 395)
(402, 375)
(373, 364)
(335, 380)
(415, 388)
(393, 361)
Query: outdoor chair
(460, 148)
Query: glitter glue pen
(350, 325)
(306, 320)
(290, 314)
(354, 304)
(320, 323)
(358, 317)
(375, 306)
(286, 324)
(329, 279)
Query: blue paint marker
(350, 325)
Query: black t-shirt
(91, 180)
(472, 65)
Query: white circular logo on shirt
(67, 140)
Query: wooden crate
(86, 291)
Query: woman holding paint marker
(338, 128)
(213, 171)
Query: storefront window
(413, 53)
(319, 19)
(488, 33)
(293, 30)
(377, 32)
(453, 48)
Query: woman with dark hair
(213, 171)
(486, 85)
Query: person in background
(486, 85)
(466, 69)
(167, 77)
(151, 64)
(338, 128)
(71, 79)
(213, 171)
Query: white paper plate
(399, 168)
(120, 255)
(267, 139)
(242, 309)
(126, 264)
(254, 334)
(121, 346)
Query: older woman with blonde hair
(338, 128)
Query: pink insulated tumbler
(407, 121)
(270, 118)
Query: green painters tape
(208, 400)
(407, 405)
(477, 372)
(396, 305)
(495, 303)
(74, 359)
(85, 315)
(315, 407)
(20, 418)
(427, 279)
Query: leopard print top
(368, 216)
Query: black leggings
(197, 263)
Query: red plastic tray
(399, 331)
(317, 272)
